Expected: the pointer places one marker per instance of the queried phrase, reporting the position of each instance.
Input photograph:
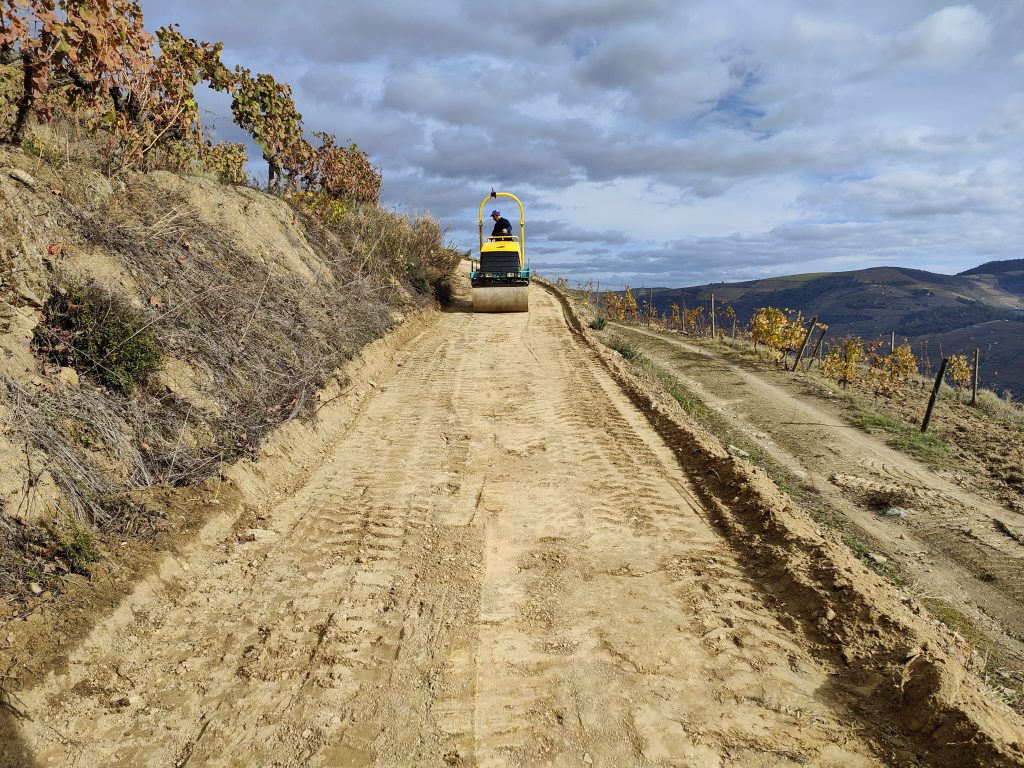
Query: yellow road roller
(500, 277)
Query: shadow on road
(14, 752)
(459, 304)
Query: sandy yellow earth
(499, 563)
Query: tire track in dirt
(646, 536)
(499, 564)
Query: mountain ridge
(938, 314)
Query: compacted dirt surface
(497, 561)
(498, 564)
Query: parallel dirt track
(956, 544)
(500, 563)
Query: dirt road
(498, 564)
(955, 545)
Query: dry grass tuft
(263, 339)
(1001, 409)
(83, 434)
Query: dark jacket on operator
(501, 227)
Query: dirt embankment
(154, 330)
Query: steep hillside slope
(154, 328)
(1007, 275)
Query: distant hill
(941, 314)
(1007, 275)
(996, 267)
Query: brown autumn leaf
(55, 249)
(154, 301)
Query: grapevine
(841, 362)
(135, 91)
(692, 319)
(340, 172)
(630, 310)
(730, 313)
(227, 161)
(959, 371)
(782, 331)
(904, 363)
(265, 109)
(615, 306)
(888, 373)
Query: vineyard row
(885, 369)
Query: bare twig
(177, 445)
(259, 299)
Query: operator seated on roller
(502, 227)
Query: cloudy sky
(665, 143)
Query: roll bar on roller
(522, 222)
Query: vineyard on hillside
(884, 367)
(886, 388)
(92, 65)
(160, 315)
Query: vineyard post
(817, 349)
(597, 304)
(650, 306)
(714, 328)
(803, 347)
(892, 344)
(935, 394)
(734, 321)
(974, 377)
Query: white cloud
(665, 142)
(841, 35)
(946, 38)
